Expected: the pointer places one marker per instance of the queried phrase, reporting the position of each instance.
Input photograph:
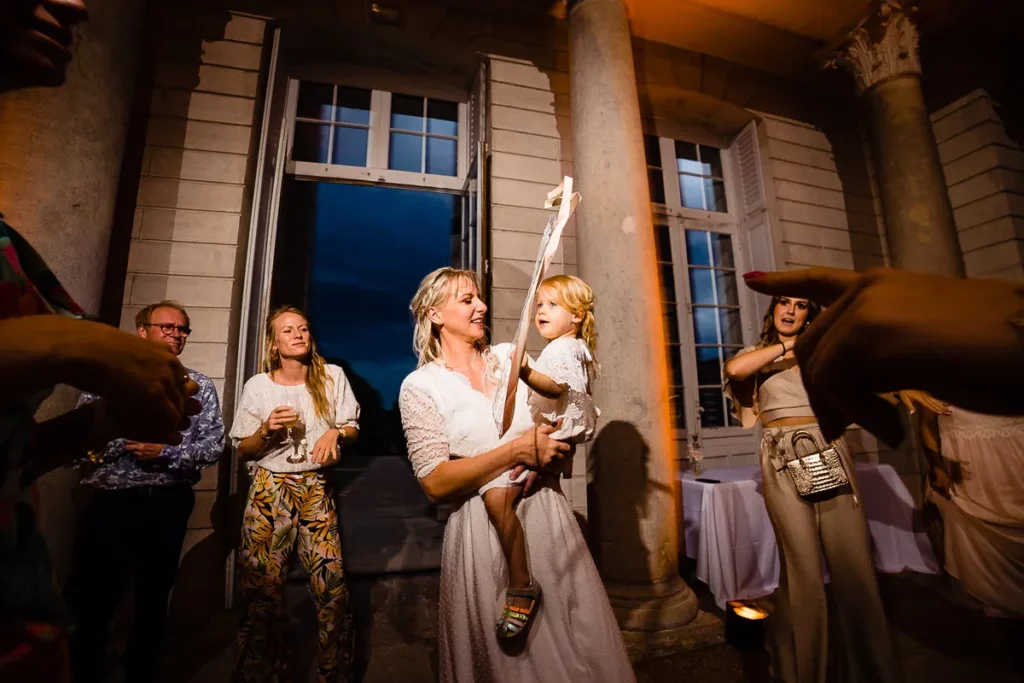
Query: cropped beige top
(779, 393)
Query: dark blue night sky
(371, 247)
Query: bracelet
(264, 437)
(784, 351)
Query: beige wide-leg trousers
(833, 524)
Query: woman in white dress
(453, 442)
(977, 475)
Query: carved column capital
(881, 46)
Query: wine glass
(295, 456)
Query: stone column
(882, 55)
(59, 172)
(632, 506)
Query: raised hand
(146, 387)
(888, 330)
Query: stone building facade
(708, 138)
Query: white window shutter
(755, 226)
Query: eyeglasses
(168, 328)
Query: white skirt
(575, 636)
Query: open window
(711, 224)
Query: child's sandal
(515, 621)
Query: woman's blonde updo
(433, 292)
(576, 296)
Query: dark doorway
(352, 256)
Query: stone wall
(984, 171)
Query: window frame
(680, 219)
(379, 138)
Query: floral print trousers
(285, 512)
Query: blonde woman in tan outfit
(765, 385)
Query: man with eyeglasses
(137, 519)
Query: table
(728, 532)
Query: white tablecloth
(728, 532)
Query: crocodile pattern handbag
(816, 472)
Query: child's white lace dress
(568, 362)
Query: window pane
(709, 368)
(675, 401)
(656, 182)
(442, 118)
(714, 410)
(668, 282)
(442, 156)
(732, 329)
(310, 142)
(697, 250)
(652, 150)
(675, 366)
(662, 242)
(315, 101)
(407, 112)
(721, 249)
(671, 323)
(690, 191)
(404, 152)
(354, 106)
(725, 288)
(715, 192)
(711, 159)
(705, 325)
(686, 157)
(350, 146)
(702, 286)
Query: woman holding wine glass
(298, 399)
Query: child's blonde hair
(575, 296)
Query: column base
(659, 619)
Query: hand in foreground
(912, 400)
(890, 329)
(147, 389)
(144, 451)
(325, 450)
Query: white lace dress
(985, 516)
(575, 637)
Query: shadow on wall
(618, 472)
(851, 151)
(169, 73)
(176, 45)
(198, 597)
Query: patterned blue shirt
(201, 446)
